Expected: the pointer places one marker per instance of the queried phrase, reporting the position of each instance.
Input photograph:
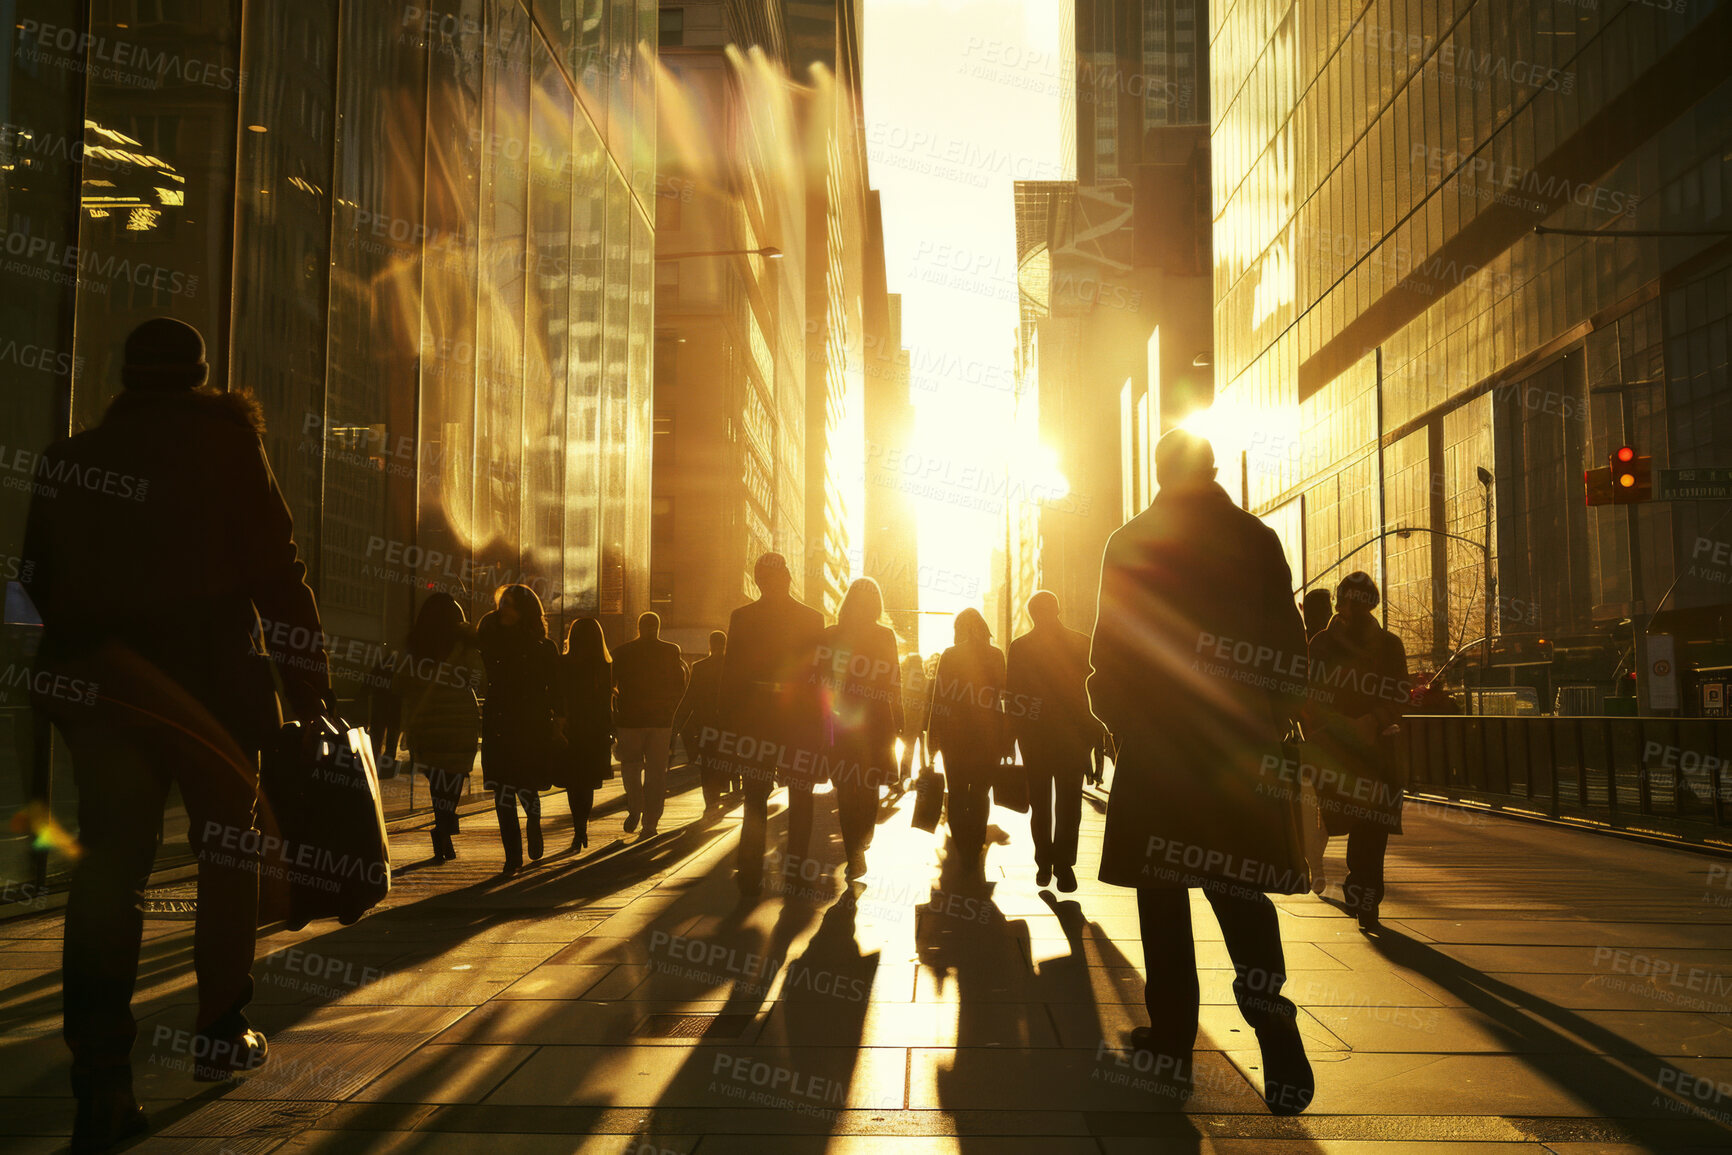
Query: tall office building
(421, 234)
(1462, 250)
(1115, 334)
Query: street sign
(1598, 485)
(1707, 484)
(1662, 680)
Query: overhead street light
(768, 252)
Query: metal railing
(1670, 777)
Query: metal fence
(1670, 776)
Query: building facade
(1462, 251)
(422, 235)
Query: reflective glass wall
(421, 234)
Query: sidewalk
(1539, 989)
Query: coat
(1046, 691)
(771, 715)
(439, 710)
(586, 702)
(517, 736)
(701, 706)
(967, 726)
(163, 528)
(1359, 688)
(1198, 668)
(651, 678)
(863, 702)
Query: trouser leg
(1253, 935)
(754, 821)
(221, 799)
(581, 800)
(857, 808)
(631, 777)
(1040, 806)
(505, 808)
(799, 819)
(655, 774)
(120, 800)
(1067, 786)
(1171, 991)
(1366, 847)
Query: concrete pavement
(1538, 989)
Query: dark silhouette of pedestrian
(771, 715)
(435, 686)
(862, 679)
(967, 730)
(1316, 610)
(916, 697)
(517, 746)
(651, 678)
(586, 707)
(695, 722)
(154, 543)
(1198, 672)
(1047, 708)
(1359, 690)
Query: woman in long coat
(586, 703)
(863, 712)
(1359, 690)
(967, 729)
(435, 687)
(518, 741)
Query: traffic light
(1598, 485)
(1632, 476)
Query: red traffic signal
(1632, 476)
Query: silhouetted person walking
(1198, 671)
(967, 729)
(771, 714)
(916, 697)
(1316, 610)
(651, 679)
(857, 661)
(1047, 707)
(697, 715)
(517, 749)
(434, 687)
(154, 543)
(586, 705)
(1359, 690)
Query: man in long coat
(1198, 667)
(156, 542)
(771, 713)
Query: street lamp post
(1485, 480)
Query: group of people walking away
(1189, 679)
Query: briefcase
(928, 799)
(324, 850)
(1010, 785)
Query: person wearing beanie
(159, 553)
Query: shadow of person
(1591, 1062)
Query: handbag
(928, 799)
(1010, 785)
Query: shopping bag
(928, 800)
(325, 847)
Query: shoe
(579, 840)
(536, 848)
(630, 821)
(649, 832)
(1369, 922)
(1066, 879)
(856, 866)
(106, 1120)
(1043, 876)
(511, 867)
(225, 1056)
(443, 851)
(1288, 1084)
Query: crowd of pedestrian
(1188, 683)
